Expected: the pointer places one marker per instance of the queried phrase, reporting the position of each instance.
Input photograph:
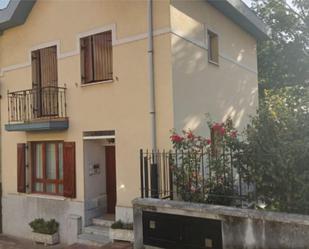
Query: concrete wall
(241, 228)
(95, 180)
(19, 210)
(200, 87)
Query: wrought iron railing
(37, 103)
(197, 177)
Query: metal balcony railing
(36, 104)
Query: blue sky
(3, 3)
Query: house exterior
(75, 97)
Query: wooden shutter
(35, 64)
(49, 72)
(102, 52)
(86, 60)
(69, 172)
(21, 168)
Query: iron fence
(37, 103)
(196, 177)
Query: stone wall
(241, 228)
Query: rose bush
(203, 173)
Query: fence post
(171, 178)
(146, 176)
(142, 173)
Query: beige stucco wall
(199, 87)
(122, 105)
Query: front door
(110, 178)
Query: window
(96, 58)
(44, 67)
(44, 82)
(213, 47)
(47, 167)
(53, 168)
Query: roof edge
(15, 13)
(243, 16)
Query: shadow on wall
(229, 89)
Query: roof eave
(243, 16)
(15, 13)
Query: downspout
(152, 98)
(154, 178)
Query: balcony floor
(39, 125)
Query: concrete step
(98, 230)
(102, 222)
(93, 239)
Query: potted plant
(122, 231)
(45, 232)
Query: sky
(3, 3)
(248, 2)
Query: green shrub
(277, 150)
(122, 225)
(44, 227)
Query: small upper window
(213, 47)
(96, 58)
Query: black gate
(181, 232)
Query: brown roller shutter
(69, 172)
(102, 47)
(21, 168)
(48, 59)
(86, 60)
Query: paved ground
(110, 246)
(7, 242)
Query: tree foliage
(277, 149)
(284, 59)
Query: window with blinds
(213, 47)
(96, 58)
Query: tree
(277, 149)
(284, 59)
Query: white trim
(221, 55)
(228, 58)
(96, 83)
(98, 137)
(76, 51)
(117, 42)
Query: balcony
(37, 109)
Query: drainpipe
(152, 104)
(152, 99)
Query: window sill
(213, 63)
(96, 83)
(42, 196)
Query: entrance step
(93, 239)
(102, 221)
(98, 230)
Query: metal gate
(181, 232)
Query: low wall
(241, 228)
(20, 209)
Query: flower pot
(121, 234)
(46, 239)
